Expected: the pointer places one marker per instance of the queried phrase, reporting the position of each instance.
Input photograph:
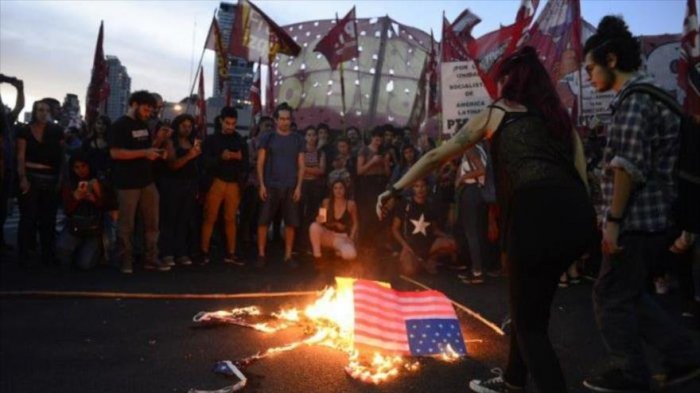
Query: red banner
(340, 44)
(215, 42)
(433, 94)
(254, 35)
(98, 90)
(254, 95)
(557, 37)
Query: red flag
(270, 93)
(433, 96)
(340, 44)
(201, 106)
(689, 62)
(492, 48)
(452, 48)
(254, 95)
(98, 90)
(557, 37)
(255, 35)
(215, 42)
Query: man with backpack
(639, 183)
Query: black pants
(177, 204)
(373, 232)
(547, 229)
(37, 209)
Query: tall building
(70, 111)
(240, 71)
(119, 88)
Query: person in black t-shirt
(133, 153)
(415, 228)
(40, 160)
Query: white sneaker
(493, 385)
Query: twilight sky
(50, 44)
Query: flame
(332, 318)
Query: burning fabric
(378, 327)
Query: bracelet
(394, 191)
(613, 219)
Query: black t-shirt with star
(131, 134)
(417, 225)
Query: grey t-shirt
(282, 154)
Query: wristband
(395, 193)
(613, 219)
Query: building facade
(240, 71)
(119, 88)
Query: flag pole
(359, 76)
(342, 87)
(199, 66)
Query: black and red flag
(689, 61)
(340, 44)
(98, 90)
(254, 35)
(433, 96)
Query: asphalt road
(138, 345)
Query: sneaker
(232, 259)
(615, 381)
(679, 375)
(290, 263)
(260, 262)
(156, 265)
(204, 259)
(127, 267)
(168, 261)
(493, 385)
(473, 280)
(183, 261)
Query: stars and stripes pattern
(405, 323)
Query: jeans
(473, 222)
(147, 200)
(626, 313)
(84, 250)
(177, 203)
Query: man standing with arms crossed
(280, 169)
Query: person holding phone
(134, 153)
(336, 225)
(83, 202)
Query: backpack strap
(657, 93)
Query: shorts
(279, 198)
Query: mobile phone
(83, 185)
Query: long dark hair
(331, 198)
(528, 83)
(175, 125)
(106, 120)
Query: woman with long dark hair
(179, 186)
(541, 188)
(40, 160)
(335, 226)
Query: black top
(339, 225)
(229, 171)
(525, 154)
(417, 225)
(131, 134)
(189, 170)
(48, 151)
(100, 160)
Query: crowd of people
(512, 193)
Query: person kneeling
(415, 228)
(336, 225)
(81, 238)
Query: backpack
(687, 212)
